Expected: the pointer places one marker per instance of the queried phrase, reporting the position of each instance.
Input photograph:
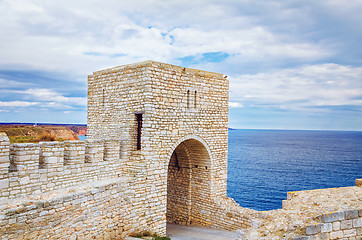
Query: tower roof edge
(157, 64)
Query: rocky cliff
(28, 133)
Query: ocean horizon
(263, 165)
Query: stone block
(336, 235)
(357, 223)
(299, 238)
(4, 183)
(326, 227)
(24, 180)
(5, 166)
(336, 226)
(321, 236)
(4, 158)
(313, 229)
(351, 214)
(349, 233)
(332, 217)
(346, 224)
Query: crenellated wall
(31, 168)
(4, 162)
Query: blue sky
(291, 64)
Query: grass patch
(45, 137)
(32, 134)
(160, 238)
(148, 235)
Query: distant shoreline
(42, 124)
(256, 129)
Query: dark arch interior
(188, 183)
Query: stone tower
(172, 123)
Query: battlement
(34, 168)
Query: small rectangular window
(139, 130)
(195, 100)
(103, 97)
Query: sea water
(82, 137)
(263, 165)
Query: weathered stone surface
(332, 217)
(4, 183)
(346, 224)
(313, 229)
(326, 227)
(351, 214)
(336, 235)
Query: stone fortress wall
(156, 153)
(30, 168)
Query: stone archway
(188, 182)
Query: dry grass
(29, 134)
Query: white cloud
(52, 36)
(235, 105)
(4, 83)
(304, 87)
(255, 43)
(53, 97)
(281, 44)
(18, 104)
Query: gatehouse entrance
(188, 182)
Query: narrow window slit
(188, 98)
(139, 130)
(195, 99)
(103, 97)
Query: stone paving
(180, 232)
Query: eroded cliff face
(63, 133)
(82, 132)
(28, 133)
(78, 129)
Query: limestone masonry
(156, 152)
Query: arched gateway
(173, 126)
(188, 181)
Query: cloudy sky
(291, 64)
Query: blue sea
(82, 137)
(266, 164)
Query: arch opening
(188, 182)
